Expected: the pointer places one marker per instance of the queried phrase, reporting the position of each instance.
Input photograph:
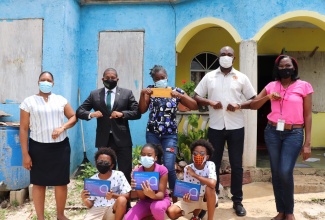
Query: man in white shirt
(225, 89)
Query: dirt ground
(258, 201)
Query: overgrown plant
(188, 87)
(185, 140)
(15, 203)
(87, 171)
(136, 152)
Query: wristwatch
(239, 105)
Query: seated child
(150, 202)
(200, 172)
(106, 207)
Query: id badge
(280, 125)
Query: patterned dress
(162, 114)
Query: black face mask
(103, 167)
(285, 73)
(110, 84)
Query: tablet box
(152, 177)
(97, 187)
(181, 188)
(161, 92)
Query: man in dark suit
(113, 107)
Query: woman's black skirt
(50, 163)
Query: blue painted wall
(70, 43)
(247, 17)
(159, 48)
(60, 48)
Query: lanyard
(281, 102)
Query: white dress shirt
(231, 88)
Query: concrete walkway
(259, 203)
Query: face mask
(285, 73)
(103, 167)
(198, 159)
(110, 84)
(225, 61)
(161, 83)
(146, 161)
(45, 86)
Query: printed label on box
(181, 188)
(152, 177)
(97, 187)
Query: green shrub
(136, 152)
(188, 87)
(87, 171)
(185, 140)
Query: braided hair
(156, 69)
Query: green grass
(318, 200)
(15, 203)
(3, 214)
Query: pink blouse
(291, 104)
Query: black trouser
(124, 157)
(235, 142)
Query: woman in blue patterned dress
(162, 125)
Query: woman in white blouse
(46, 152)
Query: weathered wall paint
(60, 50)
(159, 48)
(247, 17)
(298, 39)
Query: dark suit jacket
(124, 102)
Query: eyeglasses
(103, 162)
(195, 153)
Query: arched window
(201, 64)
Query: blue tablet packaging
(152, 177)
(181, 188)
(97, 187)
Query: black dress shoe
(239, 208)
(202, 213)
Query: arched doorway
(297, 34)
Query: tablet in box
(97, 187)
(181, 188)
(152, 177)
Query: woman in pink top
(289, 120)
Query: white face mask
(146, 161)
(225, 61)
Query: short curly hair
(107, 151)
(204, 143)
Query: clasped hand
(57, 132)
(218, 105)
(274, 96)
(116, 114)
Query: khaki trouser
(97, 213)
